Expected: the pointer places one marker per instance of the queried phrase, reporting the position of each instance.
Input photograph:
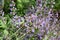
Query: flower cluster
(41, 18)
(12, 8)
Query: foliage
(23, 5)
(57, 5)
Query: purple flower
(33, 30)
(43, 23)
(11, 5)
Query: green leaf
(2, 25)
(19, 1)
(1, 38)
(5, 32)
